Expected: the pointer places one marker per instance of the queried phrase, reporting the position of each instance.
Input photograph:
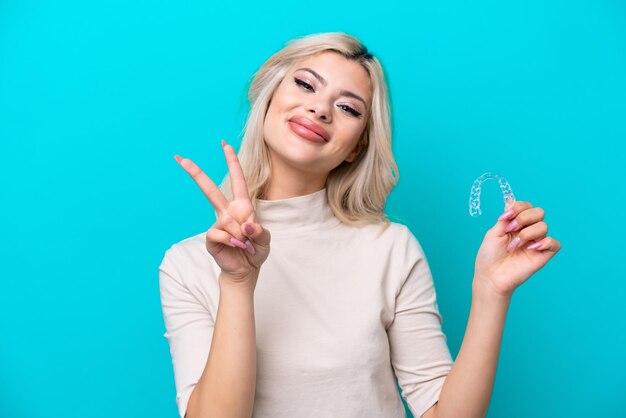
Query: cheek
(271, 124)
(351, 133)
(274, 110)
(271, 115)
(281, 97)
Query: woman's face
(326, 93)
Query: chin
(298, 154)
(295, 152)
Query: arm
(467, 389)
(419, 352)
(239, 246)
(227, 385)
(503, 263)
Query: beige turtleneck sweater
(340, 312)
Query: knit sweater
(340, 313)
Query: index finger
(210, 190)
(237, 179)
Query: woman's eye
(350, 110)
(308, 87)
(304, 84)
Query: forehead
(339, 72)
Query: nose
(319, 109)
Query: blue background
(97, 97)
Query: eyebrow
(342, 92)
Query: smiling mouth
(305, 133)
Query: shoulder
(392, 238)
(403, 242)
(188, 262)
(181, 253)
(393, 232)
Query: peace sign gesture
(236, 241)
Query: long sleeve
(189, 328)
(419, 353)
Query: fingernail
(506, 215)
(249, 229)
(513, 243)
(223, 143)
(511, 226)
(534, 246)
(250, 248)
(238, 243)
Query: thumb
(257, 233)
(499, 228)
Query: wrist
(243, 283)
(484, 290)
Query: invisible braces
(474, 200)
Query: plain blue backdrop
(97, 97)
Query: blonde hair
(357, 191)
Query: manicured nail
(511, 226)
(223, 143)
(513, 244)
(534, 246)
(248, 228)
(506, 215)
(250, 248)
(238, 243)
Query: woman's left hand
(504, 261)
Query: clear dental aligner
(474, 201)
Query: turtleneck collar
(298, 214)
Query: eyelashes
(344, 107)
(304, 84)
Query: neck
(288, 181)
(296, 215)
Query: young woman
(344, 303)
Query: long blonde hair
(356, 191)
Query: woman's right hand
(238, 250)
